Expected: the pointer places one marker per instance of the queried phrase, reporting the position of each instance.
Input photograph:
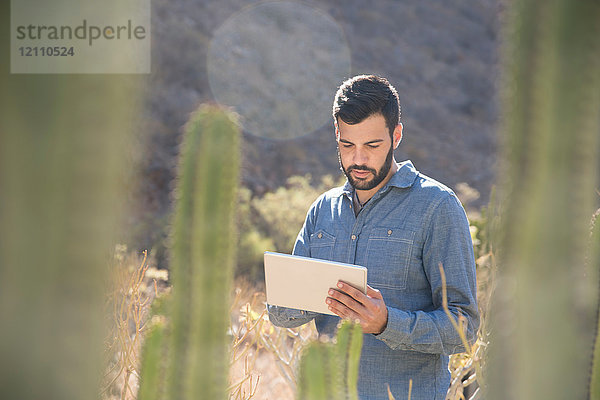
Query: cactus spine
(330, 371)
(549, 124)
(202, 258)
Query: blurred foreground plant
(64, 147)
(545, 298)
(329, 370)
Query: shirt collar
(403, 178)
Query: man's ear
(397, 135)
(337, 133)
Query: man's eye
(373, 146)
(346, 145)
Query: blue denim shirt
(401, 235)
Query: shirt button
(353, 237)
(320, 235)
(389, 232)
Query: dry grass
(132, 288)
(263, 357)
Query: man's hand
(351, 303)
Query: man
(401, 225)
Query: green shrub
(272, 222)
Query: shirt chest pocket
(321, 245)
(388, 257)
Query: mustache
(361, 168)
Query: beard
(365, 184)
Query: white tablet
(303, 282)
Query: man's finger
(341, 310)
(366, 301)
(352, 291)
(347, 300)
(376, 294)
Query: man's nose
(360, 157)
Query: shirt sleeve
(447, 241)
(290, 317)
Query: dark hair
(363, 96)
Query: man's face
(365, 151)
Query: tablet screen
(303, 282)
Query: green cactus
(549, 125)
(202, 258)
(330, 371)
(154, 363)
(155, 352)
(64, 146)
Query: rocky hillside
(280, 69)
